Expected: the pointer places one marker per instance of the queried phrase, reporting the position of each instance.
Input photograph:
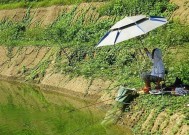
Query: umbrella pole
(139, 68)
(139, 52)
(139, 65)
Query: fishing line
(92, 124)
(96, 104)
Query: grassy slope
(114, 63)
(159, 115)
(83, 33)
(81, 28)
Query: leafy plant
(77, 37)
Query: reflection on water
(26, 110)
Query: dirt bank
(38, 64)
(156, 123)
(47, 15)
(182, 12)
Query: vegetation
(77, 36)
(123, 62)
(149, 7)
(168, 104)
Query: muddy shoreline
(53, 89)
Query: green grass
(71, 32)
(168, 104)
(13, 5)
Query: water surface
(29, 110)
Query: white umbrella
(131, 27)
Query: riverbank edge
(57, 90)
(18, 64)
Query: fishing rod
(115, 114)
(62, 49)
(96, 104)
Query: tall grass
(134, 7)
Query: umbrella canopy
(131, 27)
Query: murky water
(28, 110)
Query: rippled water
(27, 110)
